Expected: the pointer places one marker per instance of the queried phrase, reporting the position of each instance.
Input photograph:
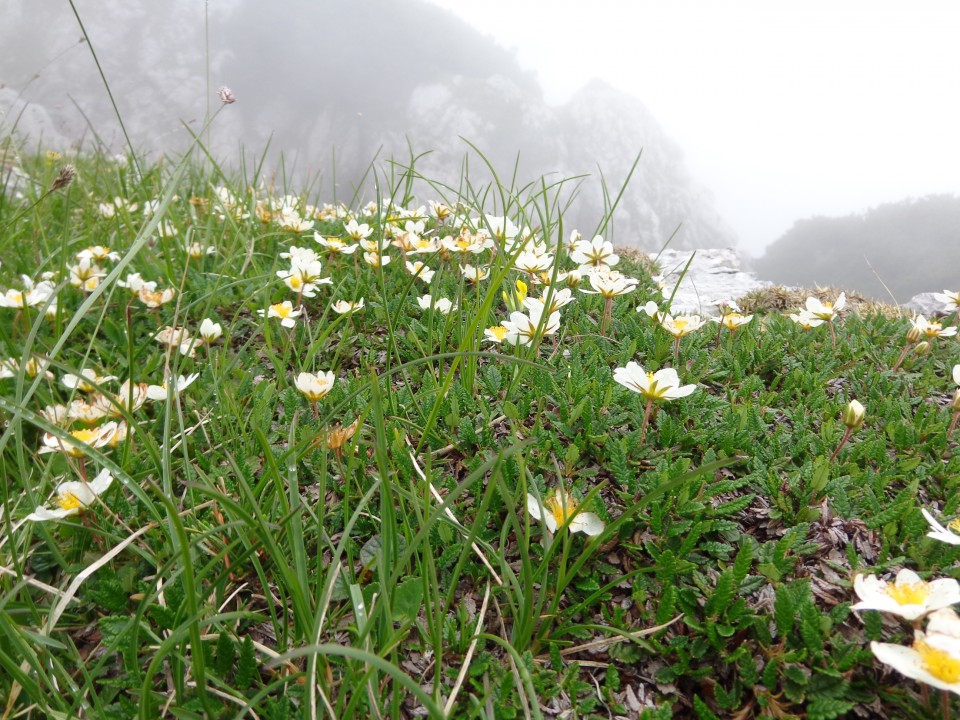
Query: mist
(335, 100)
(750, 118)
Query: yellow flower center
(954, 524)
(561, 506)
(499, 331)
(295, 281)
(940, 664)
(908, 593)
(732, 320)
(282, 310)
(68, 501)
(680, 325)
(87, 436)
(17, 297)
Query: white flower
(210, 331)
(825, 311)
(474, 274)
(661, 385)
(178, 338)
(421, 271)
(596, 254)
(806, 320)
(315, 387)
(443, 305)
(357, 232)
(289, 219)
(155, 298)
(934, 658)
(343, 307)
(950, 300)
(561, 510)
(733, 320)
(941, 533)
(652, 309)
(523, 329)
(301, 256)
(159, 392)
(908, 596)
(73, 497)
(98, 253)
(956, 374)
(681, 325)
(532, 262)
(557, 300)
(134, 282)
(495, 334)
(288, 316)
(375, 259)
(932, 329)
(335, 245)
(86, 380)
(610, 283)
(72, 444)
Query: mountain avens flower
(934, 657)
(907, 596)
(661, 385)
(560, 510)
(949, 534)
(315, 387)
(73, 498)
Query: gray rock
(925, 304)
(713, 275)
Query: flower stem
(646, 419)
(846, 436)
(953, 423)
(903, 354)
(607, 314)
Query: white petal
(43, 513)
(907, 661)
(587, 522)
(101, 482)
(534, 508)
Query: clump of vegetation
(877, 252)
(268, 457)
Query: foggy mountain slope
(348, 77)
(913, 245)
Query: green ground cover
(366, 543)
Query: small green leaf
(408, 599)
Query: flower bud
(913, 334)
(922, 348)
(853, 414)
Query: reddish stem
(846, 436)
(646, 419)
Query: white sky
(784, 109)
